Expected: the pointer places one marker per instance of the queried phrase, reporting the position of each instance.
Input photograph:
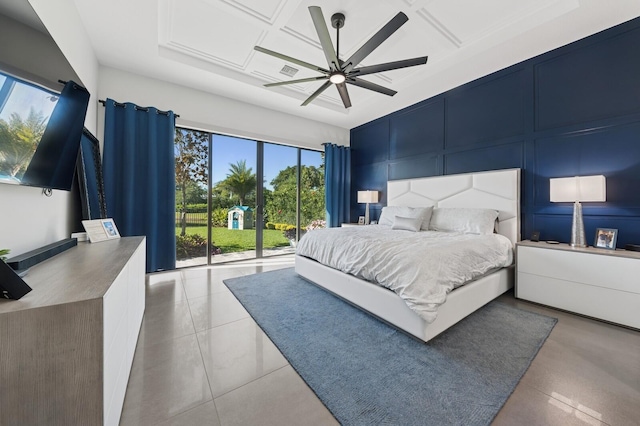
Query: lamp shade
(578, 188)
(368, 196)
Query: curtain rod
(103, 102)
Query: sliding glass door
(259, 200)
(280, 199)
(233, 198)
(312, 211)
(191, 151)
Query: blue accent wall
(572, 111)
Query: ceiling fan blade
(342, 89)
(371, 86)
(302, 80)
(325, 38)
(376, 40)
(292, 60)
(372, 69)
(316, 93)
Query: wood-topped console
(66, 347)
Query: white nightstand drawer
(611, 305)
(594, 269)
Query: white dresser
(67, 346)
(599, 283)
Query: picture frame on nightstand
(360, 220)
(606, 238)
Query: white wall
(28, 219)
(61, 19)
(32, 55)
(217, 114)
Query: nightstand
(600, 283)
(345, 225)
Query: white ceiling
(208, 44)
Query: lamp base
(578, 238)
(366, 214)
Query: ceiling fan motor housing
(337, 20)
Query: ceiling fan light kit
(337, 77)
(341, 72)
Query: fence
(192, 219)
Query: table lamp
(368, 197)
(577, 189)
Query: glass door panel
(280, 199)
(191, 151)
(233, 198)
(312, 210)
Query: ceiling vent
(288, 71)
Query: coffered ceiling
(208, 44)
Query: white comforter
(421, 267)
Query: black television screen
(40, 132)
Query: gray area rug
(368, 373)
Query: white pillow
(467, 220)
(407, 223)
(388, 214)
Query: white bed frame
(498, 190)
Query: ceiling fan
(341, 72)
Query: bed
(498, 190)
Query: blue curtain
(337, 183)
(139, 177)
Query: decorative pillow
(407, 223)
(388, 214)
(467, 220)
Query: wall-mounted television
(40, 132)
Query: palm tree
(240, 180)
(19, 139)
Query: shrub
(270, 225)
(290, 232)
(192, 208)
(219, 217)
(193, 245)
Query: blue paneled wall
(572, 111)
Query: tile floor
(201, 360)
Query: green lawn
(233, 240)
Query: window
(223, 212)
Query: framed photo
(110, 228)
(100, 230)
(360, 220)
(606, 238)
